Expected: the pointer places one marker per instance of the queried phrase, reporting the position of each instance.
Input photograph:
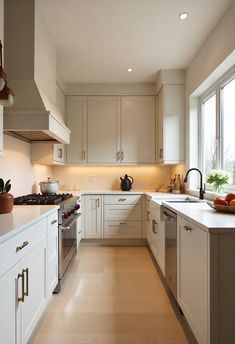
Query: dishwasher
(170, 248)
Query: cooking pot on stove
(49, 187)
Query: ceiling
(97, 40)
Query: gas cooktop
(37, 199)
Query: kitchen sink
(185, 200)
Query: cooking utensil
(49, 187)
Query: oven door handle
(69, 225)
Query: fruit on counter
(232, 203)
(220, 201)
(230, 197)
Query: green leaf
(7, 188)
(1, 185)
(6, 185)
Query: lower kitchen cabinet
(93, 216)
(9, 307)
(33, 267)
(25, 282)
(193, 276)
(157, 235)
(121, 230)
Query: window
(217, 144)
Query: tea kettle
(126, 183)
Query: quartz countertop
(21, 217)
(203, 216)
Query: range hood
(30, 62)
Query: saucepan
(49, 187)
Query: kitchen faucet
(202, 188)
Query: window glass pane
(228, 134)
(209, 134)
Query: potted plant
(6, 199)
(218, 178)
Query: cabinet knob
(187, 228)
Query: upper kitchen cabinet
(47, 154)
(170, 115)
(104, 130)
(138, 129)
(77, 122)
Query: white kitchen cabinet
(48, 154)
(170, 115)
(123, 216)
(138, 129)
(104, 130)
(9, 307)
(193, 276)
(52, 252)
(35, 289)
(24, 280)
(157, 235)
(77, 122)
(93, 216)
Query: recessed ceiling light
(183, 15)
(130, 70)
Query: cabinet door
(93, 216)
(52, 253)
(58, 153)
(160, 109)
(192, 271)
(77, 123)
(9, 292)
(104, 130)
(138, 129)
(33, 265)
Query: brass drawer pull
(122, 223)
(26, 293)
(122, 200)
(187, 228)
(18, 248)
(53, 222)
(21, 299)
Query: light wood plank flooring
(112, 295)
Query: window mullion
(219, 124)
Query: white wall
(108, 177)
(15, 165)
(215, 56)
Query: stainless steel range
(68, 214)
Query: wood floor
(112, 295)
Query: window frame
(216, 89)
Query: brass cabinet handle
(21, 299)
(154, 223)
(122, 155)
(148, 216)
(18, 248)
(97, 203)
(84, 155)
(60, 153)
(26, 293)
(122, 200)
(53, 222)
(187, 228)
(122, 223)
(161, 153)
(118, 157)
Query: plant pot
(6, 202)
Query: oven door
(68, 233)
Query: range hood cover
(30, 62)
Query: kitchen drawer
(52, 222)
(117, 229)
(122, 212)
(122, 199)
(30, 236)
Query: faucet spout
(202, 187)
